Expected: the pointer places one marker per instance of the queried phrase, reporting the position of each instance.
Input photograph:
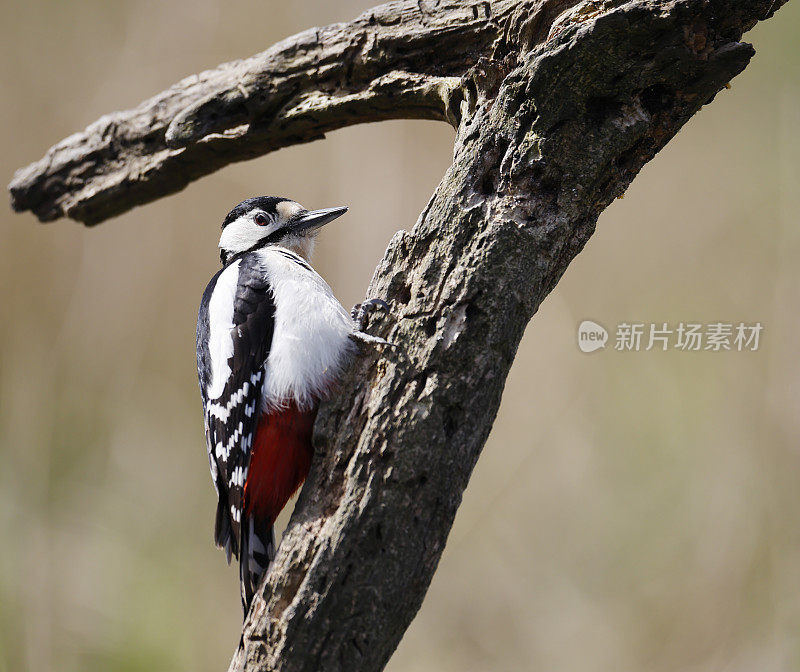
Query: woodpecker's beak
(309, 221)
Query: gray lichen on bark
(557, 105)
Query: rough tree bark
(557, 105)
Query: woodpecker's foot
(368, 339)
(361, 311)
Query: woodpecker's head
(270, 220)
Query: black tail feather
(223, 534)
(257, 552)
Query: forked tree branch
(557, 104)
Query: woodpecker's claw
(361, 310)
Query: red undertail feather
(279, 464)
(280, 460)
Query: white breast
(311, 340)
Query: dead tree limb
(557, 105)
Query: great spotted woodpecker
(271, 340)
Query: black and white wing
(234, 334)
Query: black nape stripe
(286, 253)
(296, 258)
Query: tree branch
(393, 62)
(557, 105)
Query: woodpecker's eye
(261, 219)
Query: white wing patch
(220, 318)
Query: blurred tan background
(631, 511)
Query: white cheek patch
(241, 234)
